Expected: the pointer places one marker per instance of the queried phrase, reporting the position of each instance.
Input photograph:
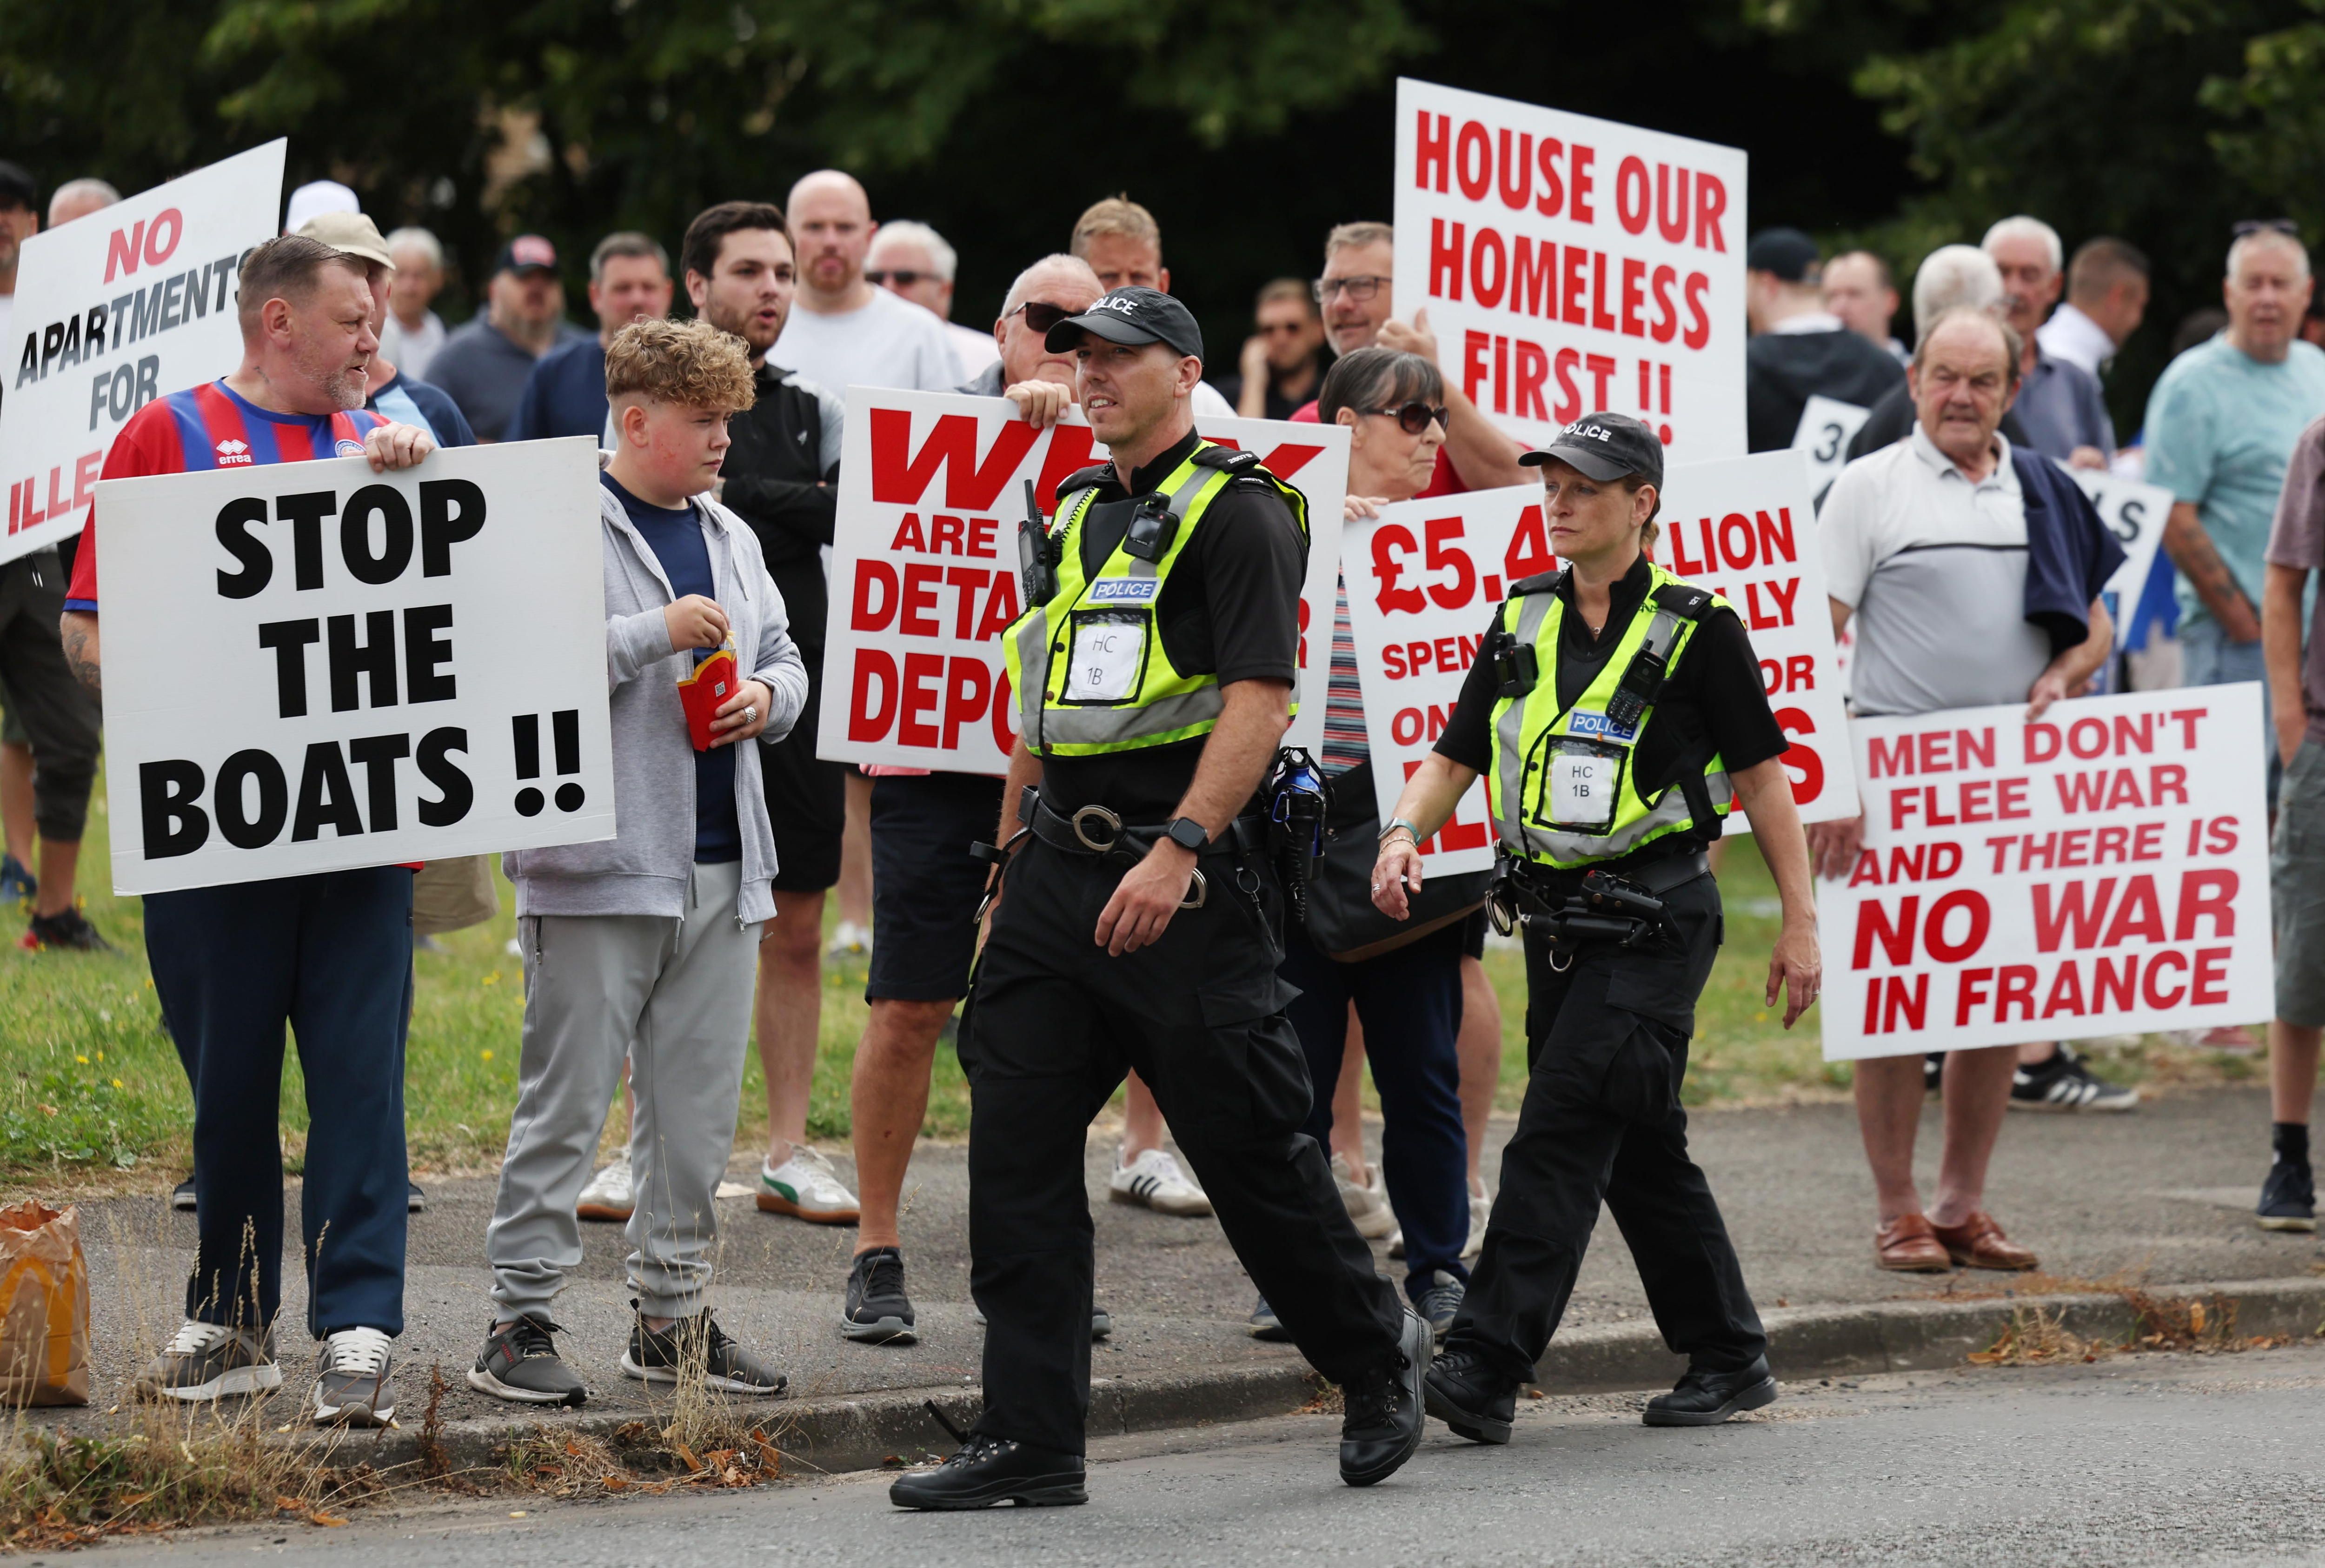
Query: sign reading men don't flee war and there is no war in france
(2102, 869)
(1569, 265)
(310, 667)
(121, 307)
(925, 569)
(1424, 578)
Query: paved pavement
(2145, 1460)
(2161, 1195)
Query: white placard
(2135, 513)
(310, 667)
(113, 310)
(2104, 870)
(1826, 427)
(1571, 264)
(1423, 579)
(925, 569)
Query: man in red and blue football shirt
(330, 954)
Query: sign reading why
(111, 312)
(925, 569)
(2102, 869)
(312, 666)
(1569, 265)
(1423, 580)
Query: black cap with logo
(1605, 446)
(1131, 315)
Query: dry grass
(2203, 1325)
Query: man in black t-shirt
(1137, 928)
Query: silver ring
(751, 714)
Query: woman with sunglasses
(1409, 999)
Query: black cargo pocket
(1247, 1079)
(1642, 1080)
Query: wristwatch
(1188, 835)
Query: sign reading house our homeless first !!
(310, 666)
(113, 310)
(2104, 868)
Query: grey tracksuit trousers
(673, 996)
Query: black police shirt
(1230, 607)
(1713, 691)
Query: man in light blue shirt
(2221, 423)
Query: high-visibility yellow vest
(1564, 785)
(1089, 666)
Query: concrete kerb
(838, 1434)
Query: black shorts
(807, 804)
(925, 883)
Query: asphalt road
(2176, 1460)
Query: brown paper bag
(43, 1306)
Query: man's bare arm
(2191, 550)
(78, 628)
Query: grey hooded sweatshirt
(643, 869)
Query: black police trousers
(1605, 1048)
(1052, 1026)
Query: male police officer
(1155, 674)
(1615, 712)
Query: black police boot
(1472, 1399)
(1382, 1428)
(995, 1470)
(1705, 1398)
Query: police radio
(1037, 553)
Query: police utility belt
(1573, 907)
(1094, 829)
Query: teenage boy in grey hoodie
(645, 947)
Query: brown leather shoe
(1977, 1243)
(1909, 1245)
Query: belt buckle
(1113, 822)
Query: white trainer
(806, 1187)
(850, 940)
(1155, 1179)
(1366, 1205)
(609, 1195)
(1481, 1209)
(353, 1380)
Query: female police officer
(1612, 711)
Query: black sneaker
(181, 1196)
(995, 1470)
(2064, 1084)
(655, 1354)
(67, 929)
(1440, 1304)
(519, 1363)
(415, 1199)
(1469, 1397)
(1382, 1428)
(877, 1311)
(1704, 1398)
(2288, 1198)
(1265, 1325)
(1933, 1073)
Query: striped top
(1345, 745)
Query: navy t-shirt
(565, 395)
(678, 543)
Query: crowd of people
(1962, 560)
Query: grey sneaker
(1440, 1304)
(655, 1357)
(354, 1379)
(206, 1361)
(519, 1363)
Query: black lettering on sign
(437, 766)
(254, 829)
(377, 756)
(424, 651)
(354, 534)
(327, 797)
(450, 511)
(234, 521)
(305, 512)
(290, 640)
(168, 799)
(375, 657)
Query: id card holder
(1577, 785)
(1106, 657)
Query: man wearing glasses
(1356, 295)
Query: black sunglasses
(1041, 315)
(1412, 418)
(2252, 226)
(902, 277)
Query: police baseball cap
(1789, 253)
(1605, 446)
(527, 253)
(350, 234)
(1131, 315)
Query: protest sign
(310, 666)
(2103, 870)
(1424, 578)
(1826, 427)
(1568, 264)
(124, 306)
(924, 568)
(2135, 513)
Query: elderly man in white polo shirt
(1927, 546)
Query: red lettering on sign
(902, 477)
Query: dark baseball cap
(1131, 315)
(16, 186)
(527, 253)
(1605, 446)
(1788, 252)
